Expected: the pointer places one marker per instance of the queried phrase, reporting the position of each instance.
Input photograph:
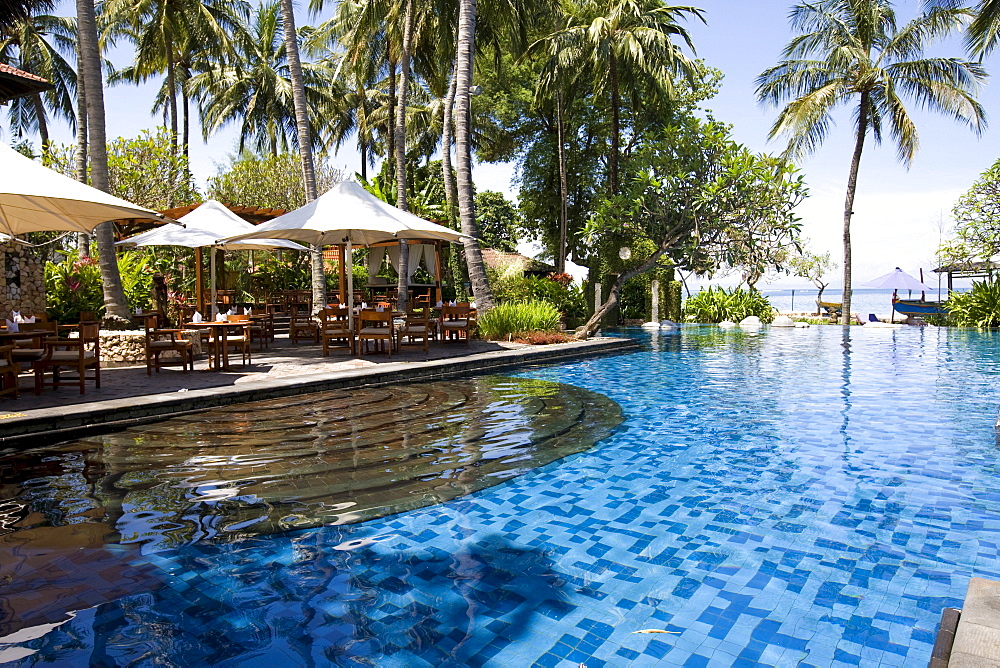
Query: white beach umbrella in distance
(34, 198)
(203, 227)
(349, 214)
(897, 280)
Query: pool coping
(45, 426)
(976, 639)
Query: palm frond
(984, 32)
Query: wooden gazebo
(980, 269)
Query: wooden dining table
(218, 348)
(6, 335)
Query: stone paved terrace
(127, 395)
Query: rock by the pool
(783, 321)
(668, 324)
(750, 321)
(727, 324)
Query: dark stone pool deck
(128, 396)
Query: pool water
(784, 497)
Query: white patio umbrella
(349, 214)
(203, 227)
(34, 198)
(897, 280)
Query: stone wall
(22, 280)
(128, 348)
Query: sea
(863, 300)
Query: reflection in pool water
(330, 458)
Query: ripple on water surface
(328, 458)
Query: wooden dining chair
(418, 326)
(85, 316)
(335, 328)
(458, 322)
(258, 329)
(31, 348)
(80, 354)
(9, 371)
(376, 326)
(302, 326)
(159, 341)
(240, 341)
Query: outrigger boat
(917, 307)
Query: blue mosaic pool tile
(824, 534)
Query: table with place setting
(218, 352)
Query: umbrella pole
(214, 292)
(199, 290)
(343, 274)
(350, 285)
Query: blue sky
(899, 213)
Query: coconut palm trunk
(172, 95)
(304, 141)
(615, 127)
(463, 153)
(447, 136)
(403, 284)
(43, 126)
(852, 186)
(186, 110)
(115, 305)
(82, 239)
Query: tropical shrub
(979, 307)
(72, 286)
(511, 285)
(714, 305)
(137, 278)
(507, 319)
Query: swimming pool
(784, 497)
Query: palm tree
(166, 34)
(504, 22)
(623, 44)
(253, 88)
(357, 55)
(367, 31)
(851, 52)
(556, 87)
(464, 62)
(82, 240)
(36, 45)
(115, 305)
(304, 137)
